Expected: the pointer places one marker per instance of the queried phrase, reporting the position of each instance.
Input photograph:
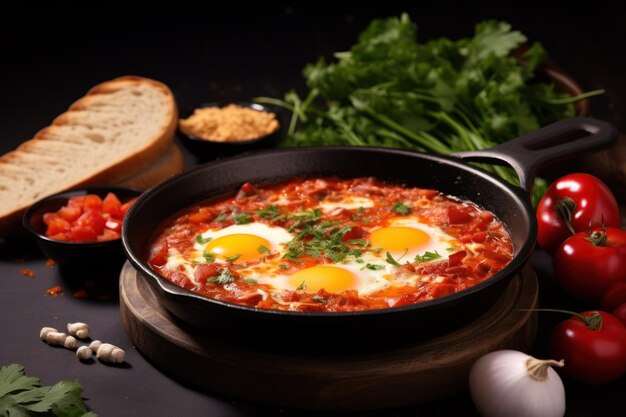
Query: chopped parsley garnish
(302, 286)
(450, 249)
(242, 218)
(427, 256)
(374, 267)
(320, 299)
(263, 249)
(283, 266)
(359, 242)
(250, 281)
(271, 213)
(219, 218)
(202, 240)
(394, 262)
(401, 208)
(208, 256)
(233, 258)
(325, 239)
(225, 277)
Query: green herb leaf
(302, 286)
(233, 258)
(242, 218)
(225, 277)
(358, 242)
(427, 256)
(219, 218)
(202, 240)
(374, 267)
(320, 299)
(250, 281)
(401, 208)
(263, 249)
(283, 266)
(391, 261)
(209, 257)
(21, 396)
(451, 249)
(271, 213)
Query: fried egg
(408, 237)
(246, 242)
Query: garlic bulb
(513, 384)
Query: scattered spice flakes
(27, 272)
(54, 291)
(50, 263)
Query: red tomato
(92, 201)
(620, 313)
(614, 296)
(593, 354)
(586, 265)
(458, 215)
(578, 200)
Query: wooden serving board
(423, 371)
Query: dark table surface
(52, 57)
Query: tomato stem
(565, 207)
(592, 322)
(597, 238)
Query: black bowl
(109, 254)
(206, 149)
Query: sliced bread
(118, 129)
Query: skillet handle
(565, 139)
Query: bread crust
(135, 162)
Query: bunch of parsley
(442, 96)
(22, 396)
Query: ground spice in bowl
(231, 123)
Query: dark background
(52, 55)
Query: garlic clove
(84, 353)
(95, 345)
(43, 333)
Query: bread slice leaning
(115, 131)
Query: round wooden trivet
(424, 371)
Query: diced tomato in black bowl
(81, 227)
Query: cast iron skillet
(450, 175)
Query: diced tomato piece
(77, 200)
(113, 224)
(251, 298)
(111, 204)
(158, 253)
(56, 224)
(495, 256)
(108, 235)
(205, 271)
(199, 217)
(83, 234)
(59, 236)
(124, 208)
(355, 233)
(479, 237)
(458, 215)
(92, 219)
(456, 258)
(70, 213)
(92, 201)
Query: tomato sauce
(334, 222)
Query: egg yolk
(248, 247)
(397, 239)
(330, 278)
